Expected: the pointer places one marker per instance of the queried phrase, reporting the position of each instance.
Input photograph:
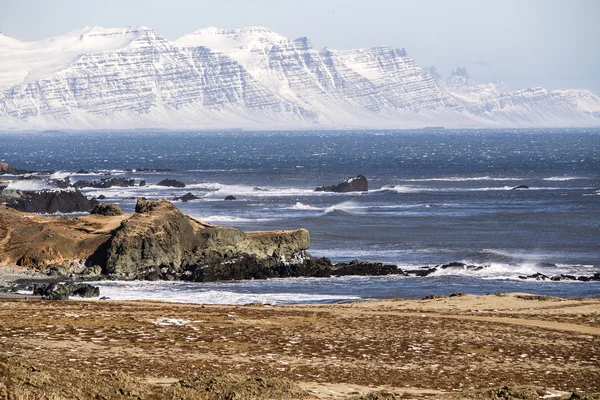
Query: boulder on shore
(230, 197)
(64, 291)
(52, 201)
(171, 183)
(354, 184)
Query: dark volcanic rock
(520, 187)
(365, 268)
(355, 184)
(106, 183)
(230, 197)
(48, 201)
(64, 291)
(537, 276)
(61, 183)
(108, 210)
(186, 197)
(171, 183)
(143, 182)
(421, 272)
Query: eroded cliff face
(157, 236)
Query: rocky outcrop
(186, 197)
(171, 183)
(52, 201)
(6, 168)
(354, 184)
(159, 235)
(109, 210)
(231, 197)
(64, 291)
(106, 183)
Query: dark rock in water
(433, 297)
(421, 272)
(108, 210)
(61, 183)
(356, 267)
(143, 182)
(520, 187)
(230, 197)
(583, 278)
(355, 184)
(49, 201)
(101, 197)
(186, 197)
(83, 172)
(171, 183)
(461, 265)
(537, 276)
(64, 291)
(563, 277)
(106, 183)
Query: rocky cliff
(254, 78)
(157, 237)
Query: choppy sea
(434, 197)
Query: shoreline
(446, 348)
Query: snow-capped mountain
(252, 78)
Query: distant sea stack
(354, 184)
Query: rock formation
(171, 183)
(158, 235)
(354, 184)
(106, 183)
(52, 201)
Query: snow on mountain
(252, 77)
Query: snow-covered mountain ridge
(252, 78)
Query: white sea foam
(302, 206)
(563, 178)
(207, 293)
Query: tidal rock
(537, 276)
(143, 182)
(520, 187)
(101, 197)
(563, 277)
(186, 197)
(64, 291)
(108, 210)
(421, 272)
(171, 183)
(356, 267)
(49, 201)
(354, 184)
(61, 183)
(106, 183)
(230, 197)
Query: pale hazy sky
(549, 43)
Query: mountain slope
(254, 78)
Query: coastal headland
(498, 346)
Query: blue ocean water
(434, 196)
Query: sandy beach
(454, 347)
